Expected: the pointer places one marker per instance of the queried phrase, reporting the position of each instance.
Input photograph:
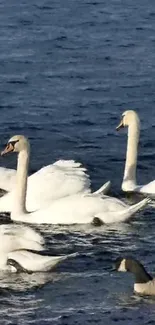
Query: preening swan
(78, 208)
(15, 243)
(51, 182)
(131, 120)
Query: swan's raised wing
(51, 182)
(146, 189)
(13, 237)
(55, 181)
(21, 231)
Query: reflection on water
(23, 281)
(83, 288)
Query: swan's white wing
(13, 237)
(63, 178)
(69, 164)
(82, 209)
(55, 181)
(21, 231)
(7, 200)
(36, 262)
(146, 189)
(103, 190)
(7, 178)
(75, 209)
(49, 183)
(124, 214)
(68, 210)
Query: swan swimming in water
(78, 208)
(15, 243)
(131, 120)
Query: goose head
(128, 118)
(17, 143)
(126, 264)
(134, 266)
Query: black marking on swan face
(12, 142)
(11, 145)
(17, 266)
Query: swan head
(128, 118)
(16, 143)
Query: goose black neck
(141, 276)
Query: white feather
(16, 237)
(81, 209)
(35, 262)
(51, 182)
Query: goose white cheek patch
(122, 267)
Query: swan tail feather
(136, 207)
(103, 189)
(125, 214)
(54, 261)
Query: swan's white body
(15, 241)
(129, 184)
(16, 237)
(79, 208)
(51, 182)
(33, 262)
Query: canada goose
(144, 283)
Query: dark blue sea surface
(68, 70)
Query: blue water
(68, 70)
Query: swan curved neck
(129, 179)
(21, 183)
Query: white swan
(41, 189)
(78, 208)
(51, 182)
(131, 120)
(15, 243)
